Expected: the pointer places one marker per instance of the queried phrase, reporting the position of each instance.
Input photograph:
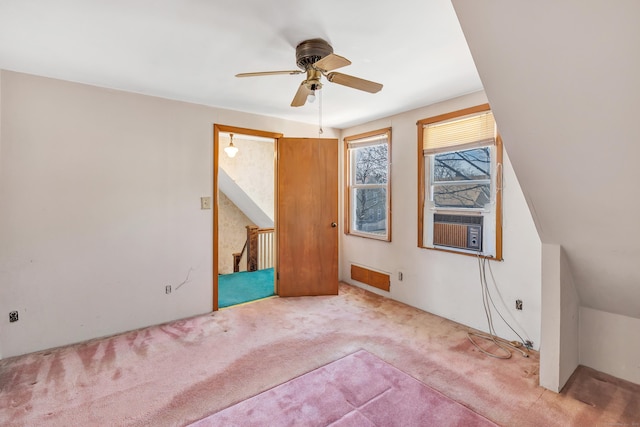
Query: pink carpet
(357, 390)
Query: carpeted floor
(244, 286)
(184, 371)
(358, 390)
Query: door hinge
(278, 276)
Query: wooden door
(307, 216)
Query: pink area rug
(357, 390)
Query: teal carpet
(236, 288)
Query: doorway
(306, 217)
(243, 229)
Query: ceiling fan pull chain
(320, 131)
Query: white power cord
(504, 345)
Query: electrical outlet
(399, 276)
(167, 289)
(13, 316)
(518, 304)
(205, 202)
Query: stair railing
(259, 247)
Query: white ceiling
(190, 50)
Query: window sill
(461, 252)
(469, 211)
(382, 238)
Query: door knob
(334, 225)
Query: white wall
(443, 283)
(605, 337)
(569, 324)
(2, 324)
(559, 350)
(569, 118)
(550, 334)
(100, 202)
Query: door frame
(217, 128)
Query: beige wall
(443, 283)
(100, 202)
(100, 196)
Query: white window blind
(365, 142)
(460, 133)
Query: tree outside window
(462, 179)
(368, 185)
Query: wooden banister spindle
(252, 248)
(236, 261)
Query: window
(459, 191)
(368, 184)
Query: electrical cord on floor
(522, 341)
(502, 344)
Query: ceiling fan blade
(269, 73)
(332, 62)
(300, 97)
(354, 82)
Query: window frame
(496, 180)
(349, 188)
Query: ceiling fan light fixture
(311, 97)
(231, 150)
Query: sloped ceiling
(190, 50)
(242, 200)
(563, 79)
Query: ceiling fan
(316, 58)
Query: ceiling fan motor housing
(311, 51)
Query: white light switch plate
(205, 202)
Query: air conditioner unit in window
(458, 231)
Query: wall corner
(1, 72)
(570, 321)
(550, 318)
(559, 325)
